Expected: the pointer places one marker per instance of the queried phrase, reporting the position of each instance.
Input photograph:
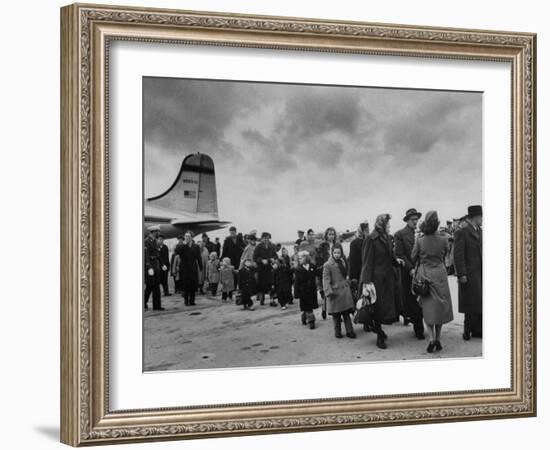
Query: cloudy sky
(301, 156)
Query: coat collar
(475, 233)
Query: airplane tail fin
(193, 190)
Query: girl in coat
(289, 269)
(227, 279)
(247, 283)
(213, 273)
(429, 253)
(337, 292)
(281, 283)
(377, 269)
(305, 288)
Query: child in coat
(227, 279)
(281, 282)
(213, 273)
(247, 283)
(305, 288)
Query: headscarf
(381, 222)
(340, 261)
(430, 224)
(363, 229)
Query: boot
(381, 342)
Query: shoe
(311, 325)
(284, 307)
(438, 346)
(431, 347)
(251, 308)
(351, 335)
(380, 342)
(466, 336)
(338, 334)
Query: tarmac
(213, 334)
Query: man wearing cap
(404, 243)
(152, 267)
(301, 238)
(468, 245)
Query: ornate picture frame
(86, 33)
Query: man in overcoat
(233, 247)
(264, 254)
(404, 242)
(190, 264)
(152, 268)
(468, 252)
(164, 257)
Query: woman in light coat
(429, 252)
(337, 291)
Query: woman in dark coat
(264, 255)
(190, 264)
(378, 263)
(429, 251)
(305, 288)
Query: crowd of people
(383, 278)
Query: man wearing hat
(404, 243)
(468, 245)
(151, 261)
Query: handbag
(365, 310)
(420, 286)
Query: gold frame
(86, 31)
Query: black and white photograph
(298, 224)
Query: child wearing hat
(227, 279)
(213, 273)
(247, 283)
(281, 282)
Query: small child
(247, 283)
(213, 273)
(281, 282)
(227, 280)
(305, 288)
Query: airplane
(190, 203)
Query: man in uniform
(301, 237)
(164, 264)
(404, 242)
(152, 268)
(468, 265)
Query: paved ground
(213, 334)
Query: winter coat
(227, 278)
(468, 261)
(213, 271)
(355, 258)
(305, 287)
(265, 271)
(281, 281)
(430, 252)
(404, 243)
(248, 253)
(190, 262)
(378, 262)
(233, 249)
(336, 287)
(247, 281)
